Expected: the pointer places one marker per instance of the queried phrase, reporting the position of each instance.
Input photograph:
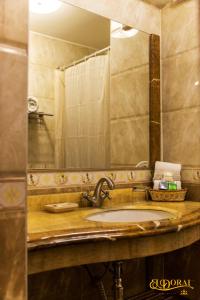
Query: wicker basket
(168, 195)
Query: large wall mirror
(88, 95)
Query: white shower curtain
(59, 119)
(84, 121)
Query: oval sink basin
(131, 215)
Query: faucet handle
(106, 194)
(89, 198)
(85, 195)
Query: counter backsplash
(61, 181)
(75, 181)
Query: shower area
(70, 85)
(82, 113)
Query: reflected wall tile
(130, 93)
(129, 141)
(41, 146)
(52, 52)
(135, 13)
(128, 53)
(40, 81)
(13, 103)
(180, 27)
(181, 136)
(12, 255)
(181, 80)
(10, 27)
(47, 105)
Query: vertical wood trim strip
(154, 100)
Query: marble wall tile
(128, 53)
(46, 105)
(129, 100)
(130, 93)
(41, 81)
(181, 81)
(181, 136)
(13, 160)
(135, 13)
(129, 141)
(180, 27)
(12, 255)
(180, 75)
(12, 195)
(52, 52)
(40, 144)
(14, 20)
(13, 112)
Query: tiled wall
(45, 55)
(181, 82)
(181, 90)
(13, 124)
(129, 107)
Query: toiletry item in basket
(163, 185)
(166, 172)
(172, 185)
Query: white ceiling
(73, 24)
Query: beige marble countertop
(47, 229)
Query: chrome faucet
(99, 194)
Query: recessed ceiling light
(44, 6)
(121, 31)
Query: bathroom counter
(68, 239)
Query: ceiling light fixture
(121, 31)
(44, 6)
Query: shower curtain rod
(76, 62)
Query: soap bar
(60, 207)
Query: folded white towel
(163, 169)
(167, 166)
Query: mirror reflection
(88, 102)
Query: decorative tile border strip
(43, 180)
(191, 175)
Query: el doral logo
(165, 285)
